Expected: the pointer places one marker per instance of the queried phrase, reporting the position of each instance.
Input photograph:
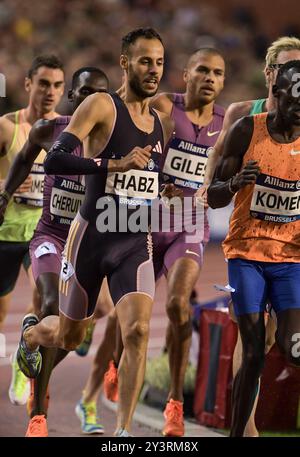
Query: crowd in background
(88, 32)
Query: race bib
(185, 163)
(67, 270)
(135, 187)
(35, 196)
(275, 199)
(66, 199)
(45, 248)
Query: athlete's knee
(253, 359)
(136, 334)
(50, 305)
(178, 310)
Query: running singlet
(132, 189)
(258, 106)
(23, 210)
(186, 160)
(62, 197)
(265, 225)
(189, 149)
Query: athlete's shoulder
(243, 126)
(6, 130)
(219, 110)
(10, 117)
(238, 109)
(42, 130)
(101, 103)
(163, 102)
(5, 121)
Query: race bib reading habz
(35, 196)
(66, 199)
(135, 187)
(275, 199)
(185, 163)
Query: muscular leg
(117, 353)
(100, 363)
(56, 332)
(133, 312)
(4, 306)
(252, 331)
(271, 327)
(181, 280)
(105, 350)
(47, 284)
(250, 429)
(36, 304)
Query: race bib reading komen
(138, 187)
(35, 196)
(275, 199)
(185, 163)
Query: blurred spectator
(89, 33)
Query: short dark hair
(50, 61)
(287, 66)
(204, 50)
(132, 36)
(81, 70)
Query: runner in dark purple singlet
(62, 198)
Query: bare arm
(40, 134)
(234, 112)
(229, 176)
(163, 103)
(95, 111)
(6, 130)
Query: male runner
(198, 121)
(45, 85)
(127, 130)
(281, 51)
(261, 165)
(62, 199)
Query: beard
(136, 87)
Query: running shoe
(173, 414)
(110, 382)
(19, 388)
(84, 347)
(30, 362)
(122, 433)
(37, 427)
(87, 414)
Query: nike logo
(294, 153)
(192, 252)
(213, 133)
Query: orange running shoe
(173, 413)
(110, 384)
(37, 427)
(30, 401)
